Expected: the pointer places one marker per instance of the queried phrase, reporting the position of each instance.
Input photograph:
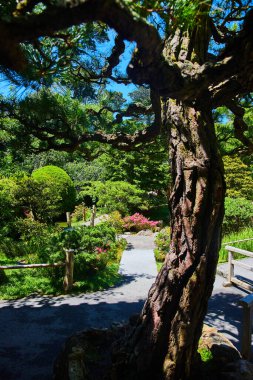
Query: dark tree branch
(229, 76)
(70, 141)
(240, 125)
(132, 110)
(113, 60)
(114, 13)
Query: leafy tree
(114, 196)
(238, 178)
(194, 57)
(147, 168)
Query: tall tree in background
(193, 56)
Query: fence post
(246, 333)
(69, 270)
(230, 268)
(93, 216)
(68, 217)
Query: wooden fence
(69, 268)
(246, 302)
(246, 334)
(231, 279)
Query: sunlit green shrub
(162, 242)
(238, 214)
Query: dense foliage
(239, 178)
(97, 252)
(112, 196)
(56, 180)
(162, 241)
(238, 214)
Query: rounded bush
(58, 182)
(88, 264)
(238, 214)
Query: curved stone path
(34, 329)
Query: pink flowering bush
(100, 250)
(138, 222)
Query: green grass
(18, 283)
(246, 233)
(21, 283)
(73, 224)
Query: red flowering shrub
(138, 222)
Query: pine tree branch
(240, 126)
(70, 141)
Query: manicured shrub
(57, 181)
(138, 222)
(238, 214)
(102, 236)
(162, 242)
(71, 238)
(89, 263)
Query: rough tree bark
(164, 343)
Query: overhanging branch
(240, 126)
(69, 140)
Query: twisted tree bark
(163, 344)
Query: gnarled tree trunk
(164, 343)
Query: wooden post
(246, 333)
(93, 216)
(68, 216)
(69, 270)
(84, 212)
(230, 268)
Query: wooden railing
(246, 302)
(231, 279)
(246, 334)
(69, 268)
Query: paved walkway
(34, 329)
(223, 311)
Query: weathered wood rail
(69, 268)
(231, 279)
(246, 302)
(246, 334)
(24, 266)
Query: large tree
(194, 57)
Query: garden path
(33, 329)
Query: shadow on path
(31, 335)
